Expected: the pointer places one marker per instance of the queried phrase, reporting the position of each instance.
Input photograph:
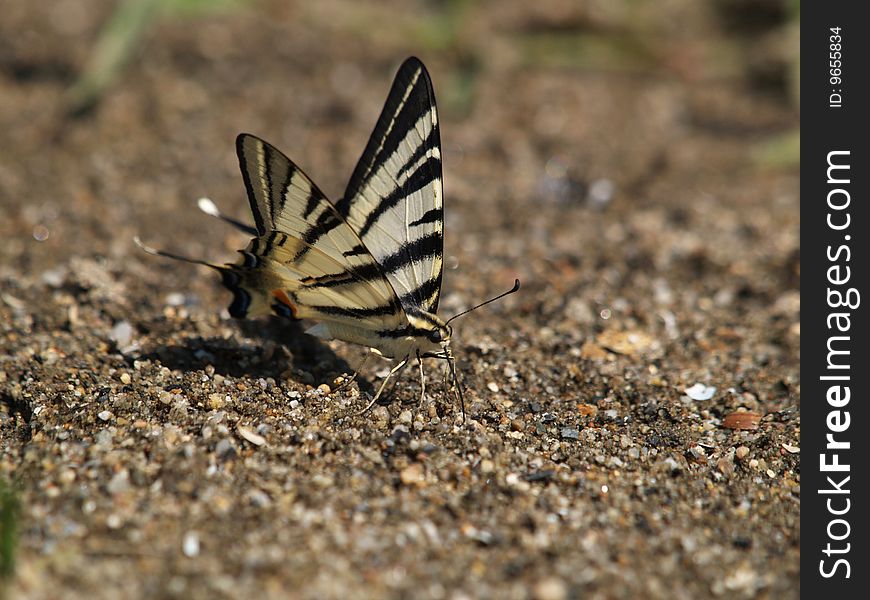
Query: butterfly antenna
(500, 296)
(210, 208)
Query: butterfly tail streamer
(210, 208)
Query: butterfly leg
(422, 382)
(392, 372)
(347, 382)
(458, 386)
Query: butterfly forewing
(394, 197)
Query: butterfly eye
(435, 336)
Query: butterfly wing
(394, 197)
(306, 261)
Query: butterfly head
(431, 334)
(440, 335)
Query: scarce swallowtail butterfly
(366, 269)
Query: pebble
(121, 334)
(697, 454)
(725, 466)
(250, 435)
(119, 483)
(224, 449)
(103, 438)
(54, 277)
(113, 521)
(550, 588)
(700, 392)
(413, 474)
(741, 452)
(125, 378)
(258, 498)
(174, 299)
(190, 544)
(569, 433)
(741, 420)
(215, 401)
(104, 415)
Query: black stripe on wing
(426, 174)
(410, 98)
(420, 249)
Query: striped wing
(306, 261)
(394, 197)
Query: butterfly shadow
(280, 350)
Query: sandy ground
(612, 161)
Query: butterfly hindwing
(394, 197)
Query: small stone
(324, 389)
(487, 466)
(174, 299)
(103, 438)
(224, 449)
(700, 392)
(697, 454)
(492, 387)
(550, 588)
(741, 452)
(569, 433)
(125, 378)
(258, 498)
(405, 417)
(113, 521)
(413, 474)
(741, 420)
(190, 544)
(215, 401)
(104, 415)
(587, 410)
(725, 466)
(250, 435)
(119, 483)
(54, 277)
(121, 334)
(672, 465)
(514, 480)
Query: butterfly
(366, 269)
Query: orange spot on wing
(284, 299)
